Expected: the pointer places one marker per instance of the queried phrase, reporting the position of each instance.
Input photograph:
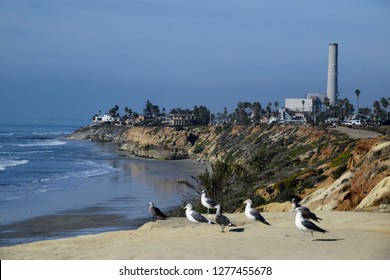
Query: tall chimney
(331, 90)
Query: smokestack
(331, 91)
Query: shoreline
(115, 201)
(352, 236)
(65, 224)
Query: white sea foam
(42, 143)
(50, 133)
(97, 169)
(4, 163)
(33, 152)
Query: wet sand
(67, 224)
(352, 236)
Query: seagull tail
(231, 225)
(211, 223)
(265, 222)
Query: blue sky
(68, 59)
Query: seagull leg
(312, 236)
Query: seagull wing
(159, 213)
(311, 226)
(307, 214)
(258, 216)
(211, 202)
(223, 220)
(198, 217)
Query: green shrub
(341, 159)
(339, 171)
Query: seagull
(304, 224)
(306, 213)
(221, 219)
(156, 212)
(253, 214)
(195, 217)
(207, 202)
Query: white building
(299, 104)
(316, 95)
(102, 119)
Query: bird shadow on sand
(329, 239)
(237, 230)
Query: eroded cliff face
(287, 150)
(365, 184)
(157, 143)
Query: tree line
(253, 112)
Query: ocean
(43, 174)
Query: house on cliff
(105, 119)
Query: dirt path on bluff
(357, 133)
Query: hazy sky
(72, 58)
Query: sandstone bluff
(325, 167)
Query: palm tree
(377, 109)
(256, 110)
(348, 107)
(385, 103)
(268, 109)
(357, 92)
(276, 104)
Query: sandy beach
(352, 236)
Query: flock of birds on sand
(302, 219)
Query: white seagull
(156, 212)
(253, 214)
(305, 225)
(222, 220)
(207, 202)
(194, 216)
(306, 213)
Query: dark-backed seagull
(207, 202)
(221, 219)
(306, 213)
(156, 212)
(253, 214)
(194, 216)
(305, 225)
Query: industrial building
(315, 102)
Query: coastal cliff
(326, 168)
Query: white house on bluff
(102, 119)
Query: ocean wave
(4, 163)
(50, 133)
(92, 169)
(42, 143)
(14, 197)
(33, 152)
